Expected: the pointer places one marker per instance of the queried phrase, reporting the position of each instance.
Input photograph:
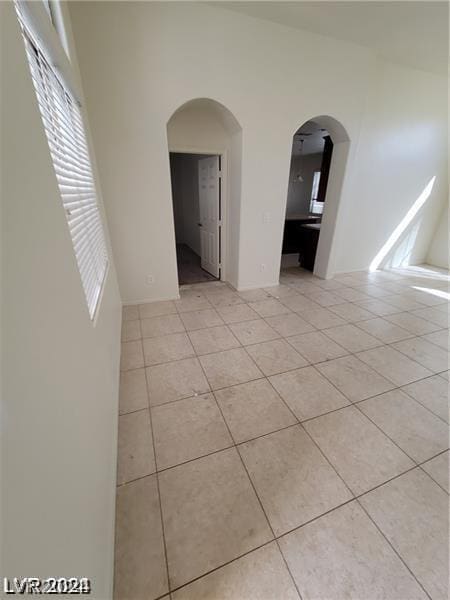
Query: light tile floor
(288, 442)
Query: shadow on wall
(205, 126)
(398, 249)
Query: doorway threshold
(189, 267)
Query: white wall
(199, 125)
(59, 371)
(401, 146)
(141, 61)
(438, 253)
(299, 193)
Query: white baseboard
(247, 288)
(148, 300)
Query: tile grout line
(315, 443)
(214, 352)
(185, 462)
(264, 318)
(298, 422)
(132, 412)
(409, 334)
(416, 463)
(379, 345)
(259, 499)
(252, 484)
(393, 548)
(356, 405)
(381, 374)
(354, 354)
(352, 495)
(430, 476)
(352, 402)
(415, 466)
(415, 337)
(356, 498)
(250, 480)
(158, 488)
(419, 402)
(379, 299)
(229, 562)
(382, 343)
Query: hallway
(189, 267)
(285, 441)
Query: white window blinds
(68, 148)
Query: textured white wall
(60, 372)
(142, 61)
(402, 145)
(438, 253)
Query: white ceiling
(410, 33)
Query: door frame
(222, 153)
(331, 227)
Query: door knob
(199, 224)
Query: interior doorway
(318, 159)
(197, 206)
(206, 128)
(312, 149)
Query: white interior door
(208, 184)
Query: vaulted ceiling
(410, 33)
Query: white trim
(331, 217)
(223, 153)
(196, 150)
(326, 246)
(149, 300)
(247, 288)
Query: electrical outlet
(149, 280)
(266, 217)
(263, 267)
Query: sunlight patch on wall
(402, 227)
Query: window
(48, 9)
(66, 138)
(53, 10)
(315, 207)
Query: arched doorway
(204, 143)
(318, 160)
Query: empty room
(225, 299)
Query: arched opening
(318, 160)
(204, 143)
